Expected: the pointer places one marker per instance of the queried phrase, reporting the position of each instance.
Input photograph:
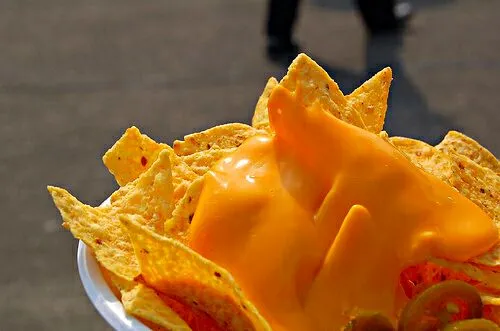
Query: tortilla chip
(459, 143)
(183, 214)
(478, 184)
(221, 136)
(143, 302)
(370, 100)
(195, 318)
(201, 162)
(182, 176)
(179, 272)
(260, 119)
(484, 190)
(131, 155)
(116, 283)
(385, 136)
(99, 230)
(317, 86)
(485, 184)
(150, 195)
(428, 158)
(150, 325)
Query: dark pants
(377, 14)
(282, 15)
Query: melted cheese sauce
(317, 222)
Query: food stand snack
(303, 221)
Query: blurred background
(75, 74)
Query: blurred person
(379, 17)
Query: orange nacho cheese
(302, 219)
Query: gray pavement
(74, 74)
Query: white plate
(99, 293)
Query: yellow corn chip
(151, 326)
(134, 153)
(116, 283)
(182, 176)
(461, 144)
(201, 162)
(484, 182)
(384, 135)
(317, 86)
(183, 214)
(174, 269)
(150, 195)
(370, 100)
(143, 302)
(100, 231)
(222, 136)
(478, 184)
(260, 119)
(483, 188)
(131, 155)
(428, 158)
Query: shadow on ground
(408, 112)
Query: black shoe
(379, 23)
(282, 51)
(403, 11)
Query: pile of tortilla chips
(139, 237)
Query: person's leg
(281, 18)
(383, 15)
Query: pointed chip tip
(133, 129)
(53, 190)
